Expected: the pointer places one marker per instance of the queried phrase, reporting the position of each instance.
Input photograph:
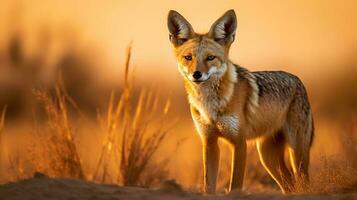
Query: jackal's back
(282, 102)
(285, 90)
(278, 85)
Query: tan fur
(232, 103)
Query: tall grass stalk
(2, 125)
(131, 137)
(61, 147)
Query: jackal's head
(202, 57)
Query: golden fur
(231, 102)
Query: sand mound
(42, 187)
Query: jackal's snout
(213, 72)
(197, 75)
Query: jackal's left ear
(180, 29)
(224, 29)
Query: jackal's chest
(209, 107)
(228, 124)
(211, 113)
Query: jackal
(230, 102)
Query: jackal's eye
(188, 57)
(209, 58)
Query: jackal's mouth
(200, 81)
(197, 82)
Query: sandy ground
(41, 187)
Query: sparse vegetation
(131, 140)
(133, 131)
(333, 177)
(60, 146)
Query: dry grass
(333, 177)
(130, 141)
(134, 129)
(57, 135)
(2, 125)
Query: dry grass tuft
(56, 137)
(2, 125)
(2, 122)
(132, 136)
(334, 177)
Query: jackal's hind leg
(299, 133)
(271, 153)
(299, 159)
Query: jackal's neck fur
(212, 97)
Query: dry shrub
(335, 176)
(59, 153)
(17, 166)
(139, 141)
(154, 173)
(134, 131)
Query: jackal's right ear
(179, 28)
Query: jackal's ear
(224, 29)
(179, 28)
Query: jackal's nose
(197, 75)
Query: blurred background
(86, 41)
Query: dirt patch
(42, 187)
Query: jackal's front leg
(210, 163)
(209, 139)
(239, 149)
